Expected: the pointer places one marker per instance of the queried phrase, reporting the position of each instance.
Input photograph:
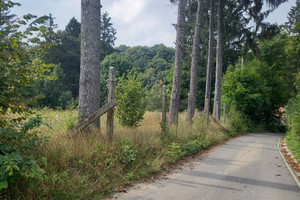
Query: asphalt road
(246, 168)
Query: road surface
(246, 168)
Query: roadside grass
(293, 143)
(86, 167)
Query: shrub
(293, 111)
(17, 144)
(130, 96)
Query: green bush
(130, 96)
(293, 111)
(17, 143)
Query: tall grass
(86, 167)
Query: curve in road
(246, 168)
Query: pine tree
(89, 87)
(195, 63)
(180, 37)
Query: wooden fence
(107, 108)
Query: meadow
(85, 166)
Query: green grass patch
(293, 143)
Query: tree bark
(180, 37)
(164, 109)
(209, 60)
(89, 89)
(195, 63)
(219, 67)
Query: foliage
(247, 91)
(259, 88)
(130, 96)
(293, 143)
(88, 168)
(17, 143)
(128, 154)
(20, 62)
(54, 93)
(239, 123)
(294, 18)
(120, 62)
(107, 35)
(65, 49)
(154, 98)
(293, 111)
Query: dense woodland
(225, 54)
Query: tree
(5, 17)
(54, 93)
(89, 85)
(195, 63)
(130, 96)
(219, 67)
(180, 30)
(20, 63)
(209, 60)
(20, 69)
(73, 28)
(107, 36)
(294, 18)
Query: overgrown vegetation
(86, 167)
(41, 162)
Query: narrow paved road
(245, 168)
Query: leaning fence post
(164, 110)
(111, 97)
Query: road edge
(287, 165)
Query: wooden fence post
(111, 97)
(207, 112)
(189, 112)
(224, 112)
(164, 106)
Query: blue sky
(138, 22)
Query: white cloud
(143, 22)
(127, 10)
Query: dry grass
(84, 166)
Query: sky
(138, 22)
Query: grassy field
(86, 167)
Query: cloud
(143, 22)
(138, 22)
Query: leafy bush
(130, 96)
(293, 111)
(128, 154)
(256, 92)
(17, 143)
(238, 122)
(193, 146)
(175, 152)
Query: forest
(230, 73)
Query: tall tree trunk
(195, 63)
(89, 89)
(218, 83)
(209, 59)
(180, 30)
